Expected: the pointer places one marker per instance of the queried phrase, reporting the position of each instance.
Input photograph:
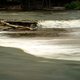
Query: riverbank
(15, 64)
(19, 8)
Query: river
(62, 44)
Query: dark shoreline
(35, 10)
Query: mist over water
(66, 47)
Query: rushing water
(66, 47)
(41, 15)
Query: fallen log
(15, 26)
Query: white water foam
(43, 48)
(48, 48)
(59, 24)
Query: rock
(59, 8)
(77, 8)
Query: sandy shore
(15, 64)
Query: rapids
(65, 47)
